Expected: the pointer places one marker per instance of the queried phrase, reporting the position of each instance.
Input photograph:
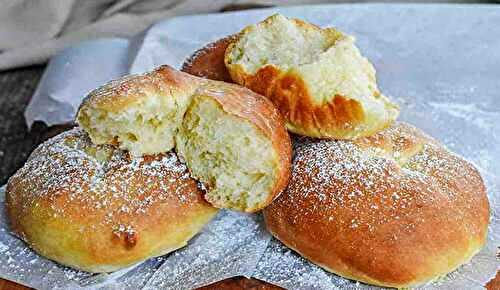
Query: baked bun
(232, 139)
(316, 77)
(395, 209)
(93, 208)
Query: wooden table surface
(16, 142)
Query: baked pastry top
(394, 209)
(94, 208)
(208, 61)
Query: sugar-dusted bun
(316, 77)
(395, 209)
(232, 139)
(208, 62)
(93, 208)
(236, 143)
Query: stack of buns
(369, 199)
(364, 197)
(154, 157)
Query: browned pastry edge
(208, 62)
(395, 209)
(289, 93)
(234, 99)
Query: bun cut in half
(93, 208)
(316, 77)
(232, 139)
(395, 209)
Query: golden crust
(395, 209)
(208, 62)
(93, 208)
(259, 111)
(341, 114)
(341, 117)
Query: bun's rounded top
(94, 208)
(395, 209)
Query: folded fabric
(33, 31)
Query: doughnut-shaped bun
(93, 208)
(232, 139)
(316, 77)
(395, 209)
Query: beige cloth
(31, 31)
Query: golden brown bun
(395, 209)
(208, 62)
(316, 77)
(147, 114)
(93, 208)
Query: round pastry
(316, 77)
(93, 208)
(395, 209)
(232, 139)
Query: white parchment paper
(439, 62)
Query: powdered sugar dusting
(78, 178)
(163, 80)
(383, 177)
(379, 191)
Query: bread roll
(316, 77)
(93, 208)
(232, 139)
(395, 209)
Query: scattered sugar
(134, 86)
(391, 182)
(470, 112)
(3, 247)
(63, 171)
